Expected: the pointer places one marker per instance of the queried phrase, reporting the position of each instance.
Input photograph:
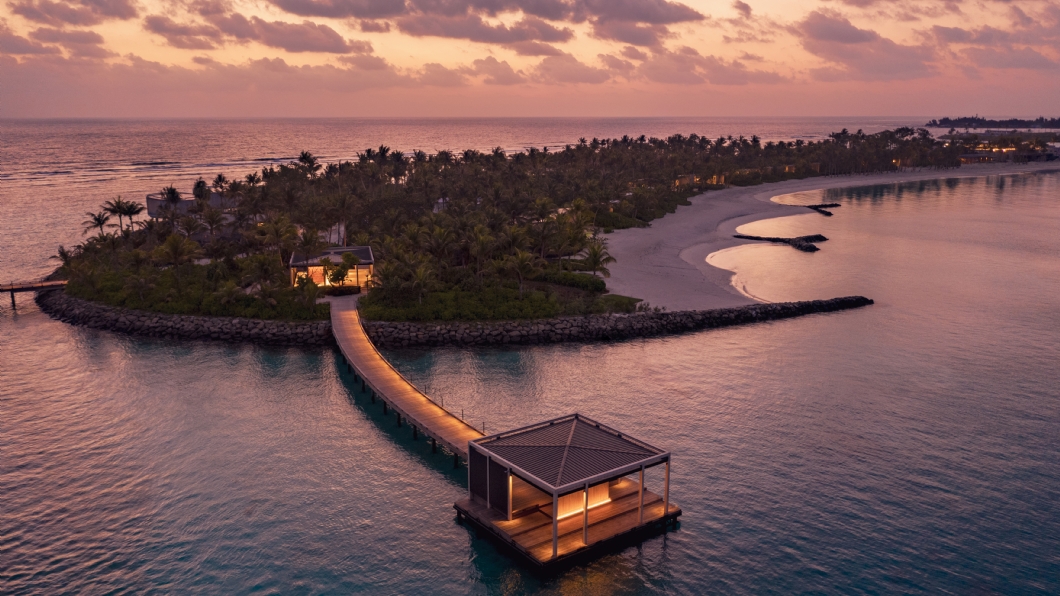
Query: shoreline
(666, 264)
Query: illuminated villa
(359, 274)
(564, 487)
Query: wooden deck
(379, 376)
(531, 534)
(32, 286)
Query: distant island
(977, 122)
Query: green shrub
(582, 281)
(491, 303)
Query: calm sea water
(907, 447)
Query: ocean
(910, 446)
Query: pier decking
(376, 374)
(30, 286)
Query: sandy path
(666, 265)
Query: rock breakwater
(593, 327)
(73, 310)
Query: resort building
(564, 487)
(360, 272)
(157, 204)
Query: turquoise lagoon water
(910, 446)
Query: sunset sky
(71, 58)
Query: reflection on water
(905, 447)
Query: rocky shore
(393, 334)
(593, 327)
(68, 309)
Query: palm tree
(277, 233)
(350, 261)
(213, 219)
(421, 281)
(175, 252)
(140, 285)
(190, 225)
(115, 207)
(309, 243)
(597, 258)
(229, 293)
(523, 264)
(131, 209)
(95, 220)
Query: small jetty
(553, 492)
(31, 286)
(375, 374)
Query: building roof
(569, 451)
(364, 253)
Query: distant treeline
(977, 122)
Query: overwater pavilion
(563, 487)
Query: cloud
(436, 75)
(567, 69)
(533, 48)
(633, 53)
(87, 44)
(859, 54)
(362, 9)
(496, 72)
(687, 67)
(473, 28)
(369, 26)
(614, 63)
(306, 36)
(819, 26)
(183, 35)
(652, 12)
(12, 44)
(630, 32)
(80, 12)
(1025, 58)
(743, 8)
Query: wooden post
(385, 410)
(456, 464)
(585, 518)
(666, 491)
(640, 498)
(415, 433)
(555, 525)
(373, 397)
(434, 445)
(13, 305)
(509, 494)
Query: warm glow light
(574, 503)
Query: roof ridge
(566, 448)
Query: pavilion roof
(569, 450)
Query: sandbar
(666, 264)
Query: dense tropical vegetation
(979, 122)
(456, 236)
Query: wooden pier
(30, 286)
(378, 376)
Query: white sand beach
(666, 265)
